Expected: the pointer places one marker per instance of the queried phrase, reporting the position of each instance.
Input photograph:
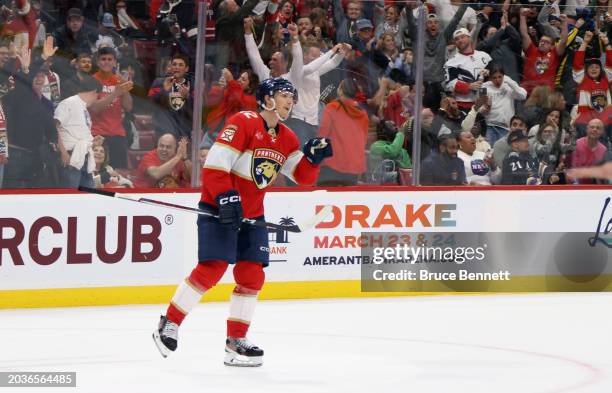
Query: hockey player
(250, 151)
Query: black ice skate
(242, 353)
(166, 336)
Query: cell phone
(482, 91)
(125, 75)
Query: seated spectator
(520, 168)
(347, 125)
(475, 123)
(594, 101)
(547, 145)
(166, 166)
(501, 147)
(449, 115)
(104, 175)
(536, 105)
(480, 169)
(388, 146)
(589, 150)
(503, 91)
(75, 138)
(444, 168)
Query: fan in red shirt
(541, 62)
(238, 95)
(107, 112)
(166, 166)
(250, 151)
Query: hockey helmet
(269, 86)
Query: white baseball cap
(460, 32)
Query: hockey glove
(230, 209)
(317, 149)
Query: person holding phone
(501, 91)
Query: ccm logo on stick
(145, 231)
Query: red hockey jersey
(594, 101)
(247, 158)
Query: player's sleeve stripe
(292, 162)
(222, 157)
(242, 166)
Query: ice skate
(241, 352)
(166, 336)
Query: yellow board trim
(106, 296)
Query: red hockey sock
(188, 294)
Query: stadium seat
(134, 157)
(143, 121)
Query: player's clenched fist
(317, 149)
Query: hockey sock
(249, 278)
(190, 291)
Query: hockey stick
(297, 228)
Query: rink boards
(68, 249)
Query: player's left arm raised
(303, 166)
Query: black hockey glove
(230, 209)
(317, 149)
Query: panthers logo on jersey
(265, 166)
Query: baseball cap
(74, 13)
(364, 24)
(107, 20)
(460, 32)
(432, 16)
(516, 136)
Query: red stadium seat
(134, 157)
(405, 176)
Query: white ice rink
(545, 343)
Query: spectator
(204, 147)
(393, 25)
(536, 105)
(501, 148)
(126, 25)
(71, 39)
(541, 62)
(31, 131)
(235, 96)
(547, 146)
(75, 139)
(447, 9)
(52, 86)
(443, 168)
(346, 28)
(173, 95)
(435, 53)
(108, 35)
(519, 167)
(389, 48)
(104, 175)
(304, 120)
(589, 150)
(167, 166)
(82, 66)
(388, 146)
(175, 26)
(399, 105)
(480, 169)
(229, 30)
(594, 101)
(278, 62)
(504, 46)
(475, 123)
(465, 71)
(450, 116)
(428, 139)
(404, 62)
(503, 91)
(107, 112)
(347, 124)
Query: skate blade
(235, 360)
(163, 350)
